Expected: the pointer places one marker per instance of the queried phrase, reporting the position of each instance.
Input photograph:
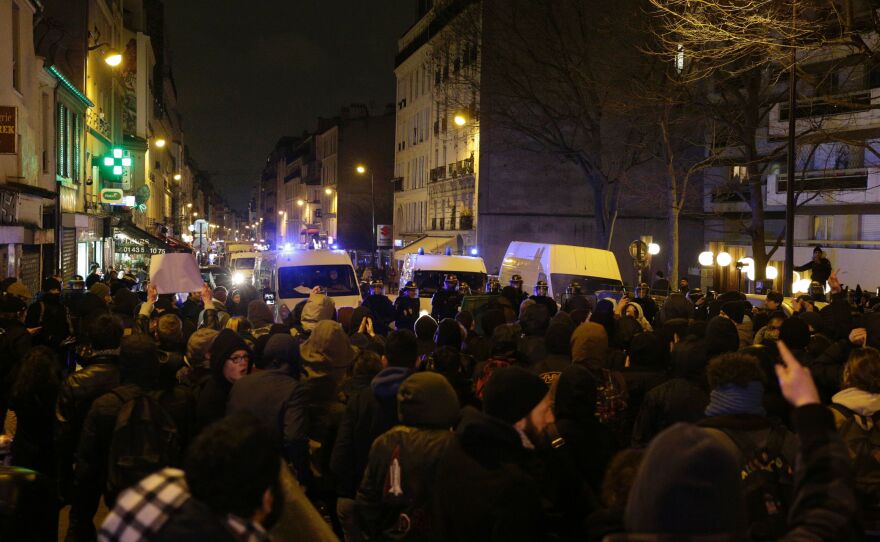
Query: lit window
(679, 58)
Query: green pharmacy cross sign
(114, 165)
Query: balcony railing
(817, 181)
(98, 123)
(829, 105)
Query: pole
(373, 200)
(788, 267)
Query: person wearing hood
(643, 298)
(684, 397)
(736, 416)
(230, 361)
(395, 497)
(577, 467)
(367, 415)
(557, 342)
(855, 409)
(50, 316)
(261, 318)
(425, 329)
(689, 483)
(448, 359)
(589, 346)
(488, 485)
(534, 322)
(268, 394)
(318, 308)
(635, 311)
(676, 306)
(604, 315)
(197, 360)
(736, 311)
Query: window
(822, 227)
(739, 174)
(16, 47)
(679, 58)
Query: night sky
(250, 72)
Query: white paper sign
(175, 273)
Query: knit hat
(50, 283)
(427, 399)
(688, 484)
(259, 314)
(199, 345)
(511, 393)
(100, 290)
(280, 349)
(735, 310)
(18, 288)
(589, 344)
(225, 344)
(721, 336)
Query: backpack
(144, 440)
(767, 483)
(490, 367)
(611, 398)
(861, 434)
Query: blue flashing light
(335, 247)
(287, 247)
(449, 251)
(474, 251)
(421, 251)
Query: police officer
(541, 297)
(575, 298)
(493, 286)
(381, 308)
(445, 302)
(514, 292)
(407, 307)
(464, 289)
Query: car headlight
(237, 278)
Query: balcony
(839, 112)
(398, 184)
(96, 122)
(829, 187)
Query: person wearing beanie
(268, 394)
(261, 318)
(198, 358)
(735, 311)
(101, 290)
(402, 466)
(488, 485)
(230, 361)
(690, 484)
(368, 414)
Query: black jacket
(193, 521)
(445, 304)
(211, 401)
(488, 485)
(15, 342)
(819, 271)
(677, 400)
(383, 497)
(383, 312)
(407, 310)
(267, 395)
(552, 307)
(52, 316)
(576, 302)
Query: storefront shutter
(68, 252)
(30, 267)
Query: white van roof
(568, 259)
(439, 262)
(312, 257)
(237, 255)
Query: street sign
(638, 250)
(383, 235)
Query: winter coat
(367, 415)
(576, 302)
(670, 494)
(383, 312)
(75, 398)
(546, 301)
(35, 416)
(211, 402)
(407, 312)
(317, 308)
(445, 304)
(589, 345)
(266, 395)
(750, 428)
(51, 315)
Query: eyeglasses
(242, 358)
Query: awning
(132, 240)
(430, 244)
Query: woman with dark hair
(34, 392)
(230, 361)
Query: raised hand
(795, 379)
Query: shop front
(133, 247)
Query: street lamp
(195, 213)
(113, 58)
(300, 202)
(159, 142)
(459, 120)
(328, 191)
(177, 176)
(653, 249)
(361, 169)
(189, 205)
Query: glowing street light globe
(723, 259)
(706, 258)
(771, 273)
(113, 58)
(459, 120)
(653, 249)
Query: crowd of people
(639, 419)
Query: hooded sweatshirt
(319, 307)
(589, 345)
(328, 350)
(859, 401)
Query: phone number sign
(139, 250)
